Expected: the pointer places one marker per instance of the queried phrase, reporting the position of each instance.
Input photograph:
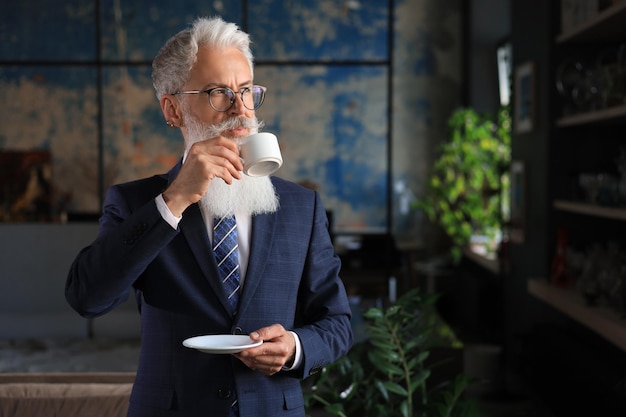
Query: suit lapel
(194, 229)
(260, 247)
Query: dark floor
(489, 407)
(508, 405)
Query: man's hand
(205, 160)
(278, 350)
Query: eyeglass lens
(223, 98)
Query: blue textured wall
(75, 80)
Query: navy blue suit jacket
(292, 279)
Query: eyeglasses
(223, 98)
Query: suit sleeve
(325, 332)
(102, 274)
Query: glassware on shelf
(608, 75)
(600, 188)
(570, 79)
(594, 83)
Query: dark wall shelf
(608, 25)
(615, 213)
(602, 320)
(606, 28)
(615, 114)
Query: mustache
(237, 122)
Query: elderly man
(156, 238)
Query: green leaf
(419, 379)
(387, 367)
(374, 313)
(423, 355)
(396, 388)
(404, 409)
(384, 346)
(382, 389)
(336, 409)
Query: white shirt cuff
(297, 359)
(166, 213)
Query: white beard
(249, 195)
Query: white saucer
(221, 343)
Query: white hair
(173, 63)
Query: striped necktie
(227, 256)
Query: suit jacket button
(224, 393)
(238, 330)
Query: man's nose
(238, 108)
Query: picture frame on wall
(524, 98)
(26, 190)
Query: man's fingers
(268, 333)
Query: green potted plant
(389, 374)
(464, 193)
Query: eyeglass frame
(232, 102)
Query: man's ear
(170, 107)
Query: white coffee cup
(260, 154)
